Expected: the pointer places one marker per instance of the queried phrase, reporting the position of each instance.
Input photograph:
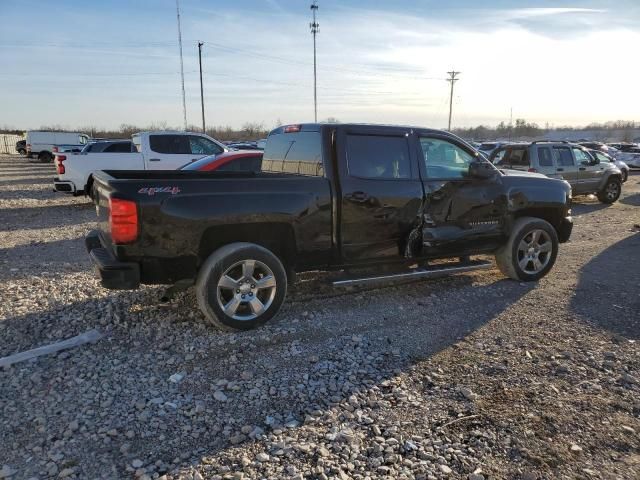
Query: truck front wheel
(531, 250)
(241, 286)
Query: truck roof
(162, 132)
(314, 127)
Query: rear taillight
(59, 165)
(532, 170)
(123, 218)
(28, 147)
(55, 149)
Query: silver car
(565, 161)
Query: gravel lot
(470, 377)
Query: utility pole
(510, 123)
(452, 79)
(184, 102)
(201, 88)
(315, 28)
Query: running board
(417, 274)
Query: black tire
(510, 256)
(226, 261)
(611, 191)
(45, 157)
(22, 152)
(625, 176)
(89, 191)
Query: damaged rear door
(381, 192)
(460, 213)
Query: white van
(40, 144)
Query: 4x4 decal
(153, 190)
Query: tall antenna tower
(184, 102)
(452, 79)
(315, 28)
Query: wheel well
(552, 216)
(275, 237)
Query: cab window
(203, 146)
(581, 156)
(445, 160)
(378, 156)
(563, 156)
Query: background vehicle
(603, 158)
(152, 151)
(329, 196)
(488, 147)
(235, 161)
(628, 153)
(21, 147)
(41, 144)
(564, 160)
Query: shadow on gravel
(608, 291)
(50, 216)
(58, 253)
(632, 200)
(297, 365)
(584, 205)
(27, 181)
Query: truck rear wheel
(241, 286)
(531, 250)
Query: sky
(75, 63)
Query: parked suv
(566, 161)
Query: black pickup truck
(385, 200)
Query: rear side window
(380, 157)
(123, 147)
(173, 144)
(544, 157)
(247, 164)
(563, 156)
(299, 153)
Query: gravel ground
(466, 377)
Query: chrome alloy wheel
(534, 251)
(612, 191)
(246, 290)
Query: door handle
(154, 159)
(560, 170)
(582, 168)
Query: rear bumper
(114, 274)
(63, 186)
(564, 232)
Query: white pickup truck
(167, 150)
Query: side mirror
(479, 169)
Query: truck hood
(520, 173)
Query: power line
(452, 79)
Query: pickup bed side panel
(290, 215)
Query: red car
(235, 161)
